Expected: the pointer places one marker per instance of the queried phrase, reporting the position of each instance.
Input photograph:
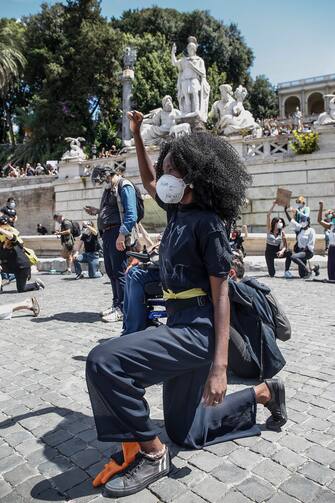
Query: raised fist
(135, 119)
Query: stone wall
(311, 175)
(35, 201)
(270, 162)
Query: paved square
(48, 446)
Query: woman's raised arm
(147, 171)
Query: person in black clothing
(13, 258)
(66, 238)
(41, 229)
(200, 182)
(90, 242)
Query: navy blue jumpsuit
(179, 354)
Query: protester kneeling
(200, 181)
(88, 252)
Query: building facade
(307, 94)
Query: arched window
(315, 104)
(291, 103)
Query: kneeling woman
(13, 258)
(200, 182)
(276, 243)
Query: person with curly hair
(201, 183)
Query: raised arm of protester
(268, 216)
(325, 225)
(147, 171)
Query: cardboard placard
(283, 197)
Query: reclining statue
(327, 117)
(161, 122)
(229, 113)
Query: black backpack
(75, 229)
(139, 198)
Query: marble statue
(75, 152)
(229, 113)
(192, 86)
(159, 122)
(327, 117)
(298, 119)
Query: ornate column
(127, 78)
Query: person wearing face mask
(117, 217)
(200, 182)
(276, 243)
(302, 209)
(329, 225)
(303, 248)
(328, 216)
(13, 258)
(88, 242)
(10, 211)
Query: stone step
(252, 264)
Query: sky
(291, 39)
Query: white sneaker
(116, 315)
(107, 311)
(288, 274)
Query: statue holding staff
(192, 86)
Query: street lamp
(129, 60)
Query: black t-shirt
(194, 246)
(91, 243)
(65, 226)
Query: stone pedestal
(326, 137)
(71, 169)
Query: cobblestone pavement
(48, 446)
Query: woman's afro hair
(213, 167)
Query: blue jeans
(92, 259)
(134, 306)
(115, 265)
(8, 275)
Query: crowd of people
(218, 319)
(14, 171)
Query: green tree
(73, 72)
(218, 44)
(12, 63)
(155, 76)
(263, 98)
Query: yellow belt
(186, 294)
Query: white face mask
(170, 189)
(304, 224)
(279, 225)
(300, 206)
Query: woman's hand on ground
(120, 243)
(215, 387)
(135, 120)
